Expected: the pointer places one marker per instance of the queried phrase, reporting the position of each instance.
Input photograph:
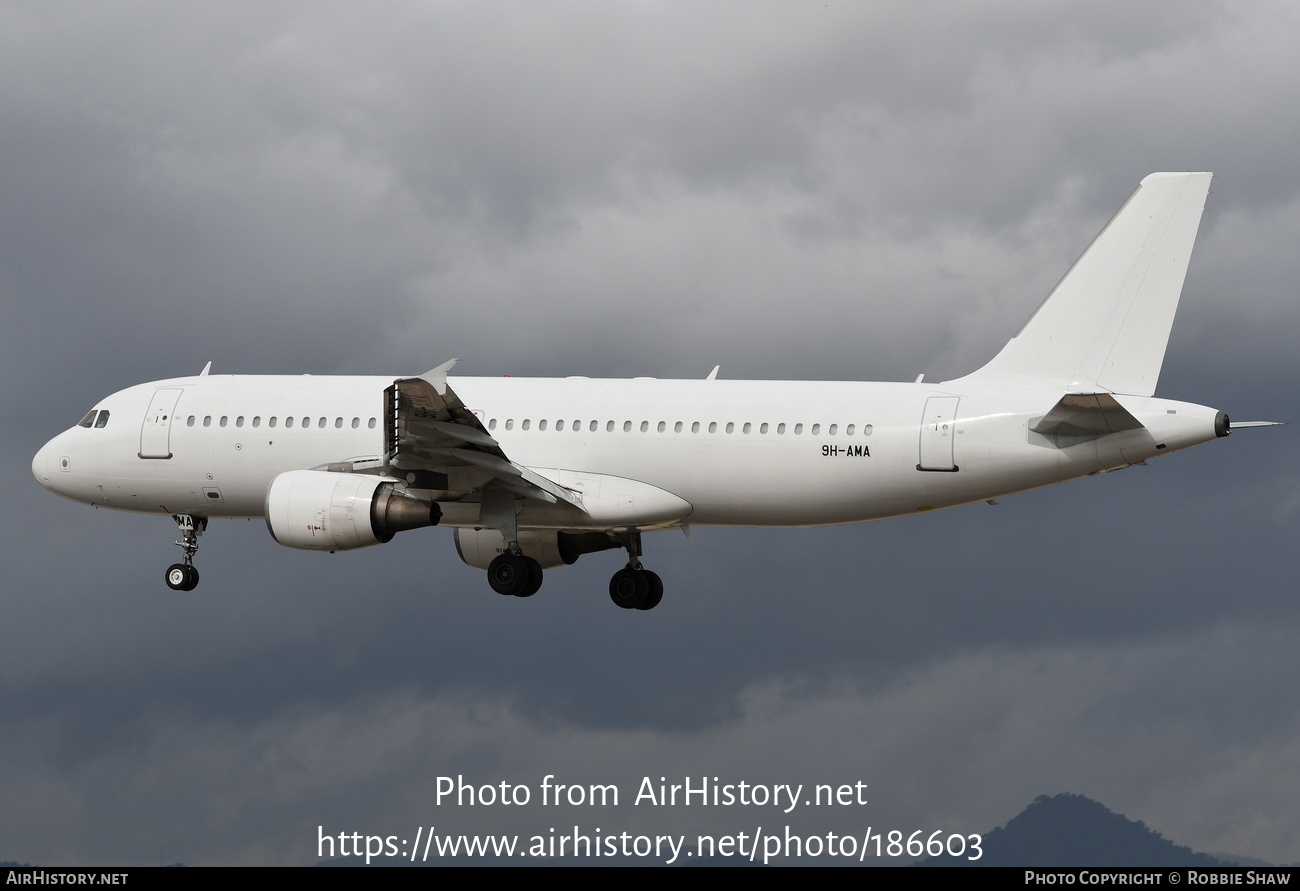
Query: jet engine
(318, 510)
(478, 547)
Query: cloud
(961, 744)
(843, 191)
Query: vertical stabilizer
(1105, 325)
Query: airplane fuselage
(533, 473)
(739, 453)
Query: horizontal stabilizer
(1086, 415)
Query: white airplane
(533, 473)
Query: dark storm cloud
(793, 190)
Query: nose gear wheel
(183, 576)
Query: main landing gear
(514, 574)
(633, 587)
(183, 576)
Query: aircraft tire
(181, 577)
(535, 578)
(177, 576)
(509, 574)
(629, 588)
(655, 592)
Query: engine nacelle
(318, 510)
(478, 547)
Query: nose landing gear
(183, 576)
(634, 586)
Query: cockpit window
(102, 420)
(88, 419)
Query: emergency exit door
(938, 428)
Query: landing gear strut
(183, 576)
(634, 586)
(510, 573)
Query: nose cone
(41, 466)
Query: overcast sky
(793, 190)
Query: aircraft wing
(427, 429)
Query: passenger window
(763, 427)
(780, 428)
(695, 427)
(271, 423)
(816, 428)
(866, 429)
(577, 426)
(371, 425)
(257, 420)
(288, 422)
(713, 426)
(189, 422)
(677, 428)
(239, 421)
(833, 428)
(510, 423)
(848, 431)
(559, 425)
(524, 425)
(593, 426)
(223, 420)
(338, 423)
(306, 422)
(207, 420)
(356, 423)
(730, 426)
(88, 419)
(492, 424)
(661, 426)
(541, 425)
(320, 424)
(645, 426)
(627, 426)
(798, 428)
(609, 426)
(746, 428)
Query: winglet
(206, 369)
(437, 377)
(713, 375)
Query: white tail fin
(1105, 325)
